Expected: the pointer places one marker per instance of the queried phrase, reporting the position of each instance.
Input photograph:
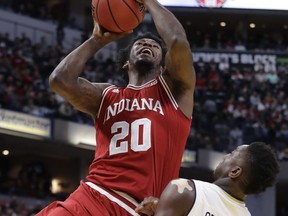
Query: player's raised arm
(65, 80)
(178, 61)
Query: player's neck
(233, 189)
(140, 79)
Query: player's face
(146, 50)
(237, 157)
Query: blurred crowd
(238, 105)
(32, 8)
(49, 11)
(24, 71)
(233, 105)
(239, 38)
(14, 206)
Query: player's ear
(235, 172)
(126, 65)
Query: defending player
(249, 169)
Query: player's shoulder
(203, 184)
(181, 182)
(108, 88)
(103, 86)
(180, 195)
(183, 187)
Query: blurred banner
(235, 4)
(19, 122)
(240, 58)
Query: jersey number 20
(135, 128)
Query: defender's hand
(147, 206)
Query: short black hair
(123, 55)
(263, 169)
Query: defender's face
(238, 157)
(146, 49)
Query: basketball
(118, 15)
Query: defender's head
(253, 166)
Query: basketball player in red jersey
(141, 130)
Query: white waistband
(127, 197)
(116, 200)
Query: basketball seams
(108, 3)
(131, 10)
(117, 15)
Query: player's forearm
(70, 68)
(168, 27)
(73, 64)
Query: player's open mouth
(147, 51)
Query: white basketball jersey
(211, 200)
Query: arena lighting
(222, 24)
(5, 152)
(75, 133)
(56, 186)
(252, 25)
(87, 146)
(20, 134)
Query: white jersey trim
(127, 197)
(103, 96)
(149, 83)
(166, 88)
(112, 198)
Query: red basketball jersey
(140, 139)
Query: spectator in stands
(235, 138)
(223, 64)
(239, 46)
(258, 66)
(269, 66)
(60, 33)
(272, 79)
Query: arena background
(46, 146)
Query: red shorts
(91, 201)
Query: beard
(144, 66)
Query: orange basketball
(118, 15)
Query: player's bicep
(179, 64)
(177, 198)
(83, 95)
(87, 96)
